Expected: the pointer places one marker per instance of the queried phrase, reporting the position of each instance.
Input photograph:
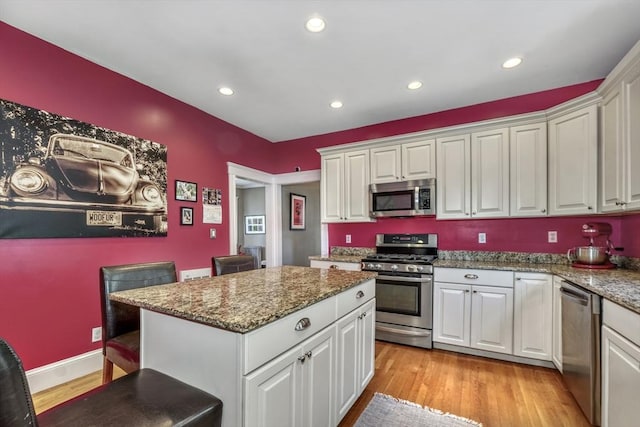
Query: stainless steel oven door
(405, 300)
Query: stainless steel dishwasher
(581, 347)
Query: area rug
(387, 411)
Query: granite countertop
(618, 285)
(337, 258)
(351, 254)
(245, 301)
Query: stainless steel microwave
(404, 198)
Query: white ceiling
(285, 77)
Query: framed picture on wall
(186, 216)
(254, 224)
(298, 212)
(187, 191)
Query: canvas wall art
(61, 177)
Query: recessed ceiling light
(336, 104)
(315, 24)
(512, 62)
(226, 91)
(414, 85)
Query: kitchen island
(279, 346)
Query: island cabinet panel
(356, 354)
(265, 343)
(295, 389)
(274, 375)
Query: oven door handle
(402, 332)
(406, 279)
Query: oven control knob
(419, 268)
(370, 265)
(411, 268)
(394, 267)
(378, 266)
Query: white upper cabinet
(573, 149)
(453, 196)
(490, 174)
(528, 169)
(473, 175)
(409, 161)
(620, 135)
(344, 187)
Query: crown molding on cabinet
(616, 75)
(502, 122)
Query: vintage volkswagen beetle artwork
(86, 187)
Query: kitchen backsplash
(351, 251)
(528, 257)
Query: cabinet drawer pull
(333, 266)
(303, 324)
(359, 294)
(471, 276)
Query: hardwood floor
(51, 397)
(492, 392)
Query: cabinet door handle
(359, 294)
(333, 267)
(466, 291)
(301, 358)
(303, 324)
(471, 276)
(475, 292)
(518, 278)
(308, 354)
(589, 207)
(543, 210)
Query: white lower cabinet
(295, 389)
(476, 316)
(620, 366)
(533, 316)
(356, 352)
(557, 324)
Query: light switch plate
(212, 233)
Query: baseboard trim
(492, 355)
(62, 371)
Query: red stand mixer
(593, 256)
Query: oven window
(398, 297)
(401, 200)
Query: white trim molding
(273, 205)
(63, 371)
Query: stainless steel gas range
(404, 287)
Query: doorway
(273, 206)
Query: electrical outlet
(552, 236)
(348, 238)
(96, 334)
(482, 237)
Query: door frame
(273, 206)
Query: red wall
(302, 152)
(49, 298)
(513, 234)
(49, 287)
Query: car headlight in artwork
(151, 194)
(29, 181)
